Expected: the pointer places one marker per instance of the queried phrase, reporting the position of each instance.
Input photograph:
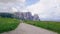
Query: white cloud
(14, 9)
(7, 1)
(46, 8)
(22, 0)
(11, 5)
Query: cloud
(14, 9)
(48, 9)
(7, 1)
(11, 5)
(12, 2)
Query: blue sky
(30, 2)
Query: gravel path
(29, 29)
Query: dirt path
(29, 29)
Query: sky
(46, 9)
(11, 5)
(30, 2)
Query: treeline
(7, 15)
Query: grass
(53, 26)
(8, 24)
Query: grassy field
(54, 26)
(8, 24)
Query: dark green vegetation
(54, 26)
(8, 24)
(6, 15)
(9, 15)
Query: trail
(24, 28)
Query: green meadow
(8, 24)
(50, 25)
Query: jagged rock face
(36, 17)
(27, 16)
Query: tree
(6, 15)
